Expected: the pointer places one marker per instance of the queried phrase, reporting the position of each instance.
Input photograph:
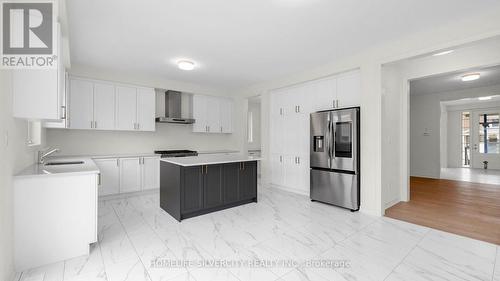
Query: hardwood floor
(464, 208)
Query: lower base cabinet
(128, 174)
(191, 191)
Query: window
(250, 127)
(489, 133)
(466, 139)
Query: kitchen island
(197, 185)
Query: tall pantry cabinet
(290, 110)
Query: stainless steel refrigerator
(335, 173)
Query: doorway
(454, 182)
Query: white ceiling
(238, 43)
(452, 81)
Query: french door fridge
(334, 161)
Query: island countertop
(210, 159)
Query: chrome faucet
(42, 154)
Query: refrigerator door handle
(334, 134)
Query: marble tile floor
(137, 241)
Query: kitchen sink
(64, 163)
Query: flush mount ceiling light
(484, 98)
(470, 77)
(185, 65)
(443, 53)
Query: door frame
(405, 120)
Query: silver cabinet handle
(298, 108)
(298, 160)
(95, 124)
(117, 162)
(281, 159)
(92, 124)
(63, 112)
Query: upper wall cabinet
(39, 93)
(341, 90)
(212, 114)
(102, 105)
(349, 88)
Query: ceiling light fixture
(484, 98)
(443, 53)
(185, 65)
(470, 77)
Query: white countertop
(210, 159)
(88, 167)
(218, 151)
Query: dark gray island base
(189, 191)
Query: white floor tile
(496, 274)
(139, 241)
(444, 256)
(132, 270)
(51, 272)
(92, 263)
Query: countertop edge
(209, 162)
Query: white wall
(425, 113)
(167, 136)
(254, 108)
(453, 144)
(391, 146)
(15, 156)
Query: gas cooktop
(176, 153)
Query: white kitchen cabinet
(126, 108)
(199, 109)
(63, 122)
(324, 93)
(146, 107)
(226, 115)
(104, 104)
(130, 174)
(55, 218)
(110, 176)
(42, 97)
(278, 169)
(349, 88)
(290, 110)
(297, 173)
(81, 109)
(150, 173)
(212, 114)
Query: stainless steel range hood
(173, 108)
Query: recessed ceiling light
(470, 77)
(443, 53)
(185, 65)
(484, 98)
